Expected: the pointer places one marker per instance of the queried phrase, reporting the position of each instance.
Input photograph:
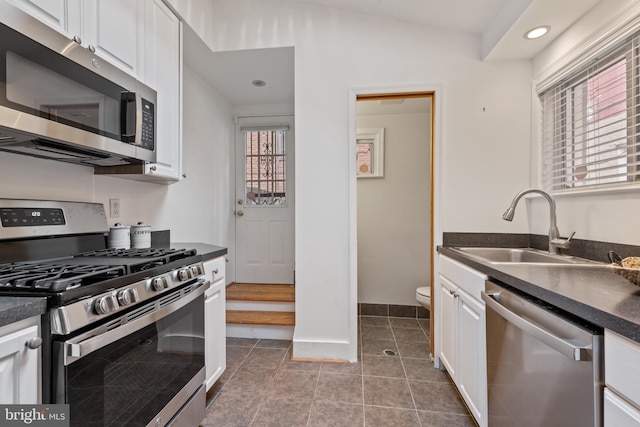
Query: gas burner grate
(54, 277)
(135, 253)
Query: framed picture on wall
(370, 153)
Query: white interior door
(265, 200)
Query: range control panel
(29, 217)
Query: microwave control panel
(147, 139)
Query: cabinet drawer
(618, 412)
(466, 278)
(622, 366)
(214, 269)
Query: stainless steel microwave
(60, 101)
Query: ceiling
(433, 13)
(499, 23)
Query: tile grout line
(264, 397)
(315, 390)
(406, 378)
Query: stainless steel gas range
(123, 337)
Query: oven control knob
(195, 271)
(127, 296)
(183, 274)
(158, 284)
(105, 305)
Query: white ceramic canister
(119, 237)
(141, 235)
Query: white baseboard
(336, 350)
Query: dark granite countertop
(593, 293)
(14, 309)
(207, 251)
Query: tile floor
(263, 387)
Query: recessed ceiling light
(258, 83)
(534, 33)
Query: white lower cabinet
(215, 321)
(621, 377)
(463, 333)
(618, 412)
(20, 366)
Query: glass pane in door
(265, 166)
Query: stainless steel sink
(523, 256)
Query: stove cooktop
(89, 273)
(54, 277)
(133, 260)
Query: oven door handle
(83, 345)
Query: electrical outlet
(114, 208)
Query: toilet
(423, 296)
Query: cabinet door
(57, 14)
(19, 368)
(448, 326)
(472, 366)
(162, 72)
(215, 336)
(618, 412)
(114, 28)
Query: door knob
(239, 213)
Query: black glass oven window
(129, 381)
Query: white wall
(597, 215)
(486, 157)
(195, 209)
(394, 215)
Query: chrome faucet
(555, 242)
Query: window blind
(591, 123)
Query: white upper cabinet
(54, 13)
(113, 30)
(162, 49)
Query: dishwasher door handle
(572, 351)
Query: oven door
(139, 369)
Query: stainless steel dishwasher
(544, 367)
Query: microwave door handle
(564, 347)
(128, 116)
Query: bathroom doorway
(394, 168)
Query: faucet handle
(563, 243)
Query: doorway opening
(395, 198)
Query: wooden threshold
(246, 317)
(261, 292)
